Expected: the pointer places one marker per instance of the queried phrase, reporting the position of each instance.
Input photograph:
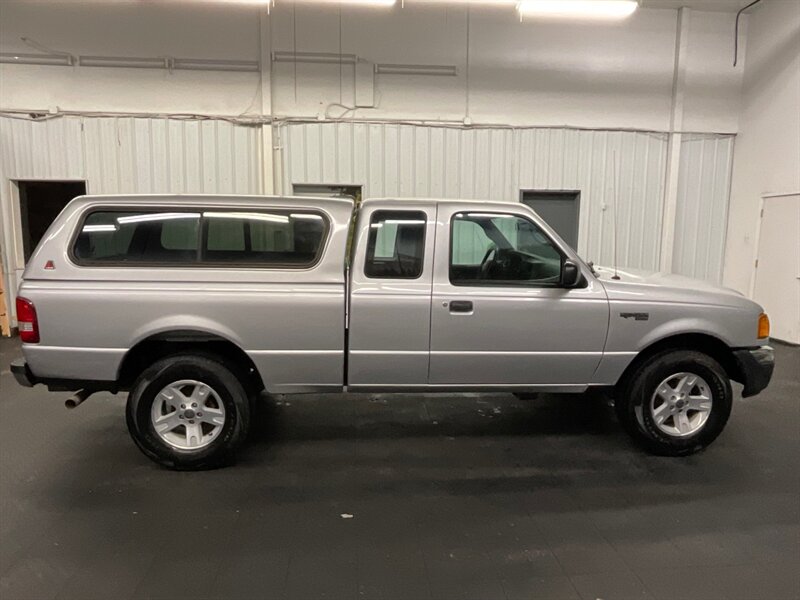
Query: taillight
(27, 321)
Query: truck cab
(488, 296)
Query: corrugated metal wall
(701, 219)
(134, 155)
(171, 156)
(620, 174)
(420, 161)
(123, 155)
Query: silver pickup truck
(197, 304)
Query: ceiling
(705, 5)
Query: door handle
(461, 306)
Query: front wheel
(188, 412)
(676, 403)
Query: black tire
(526, 395)
(633, 402)
(210, 371)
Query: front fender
(635, 326)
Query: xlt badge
(636, 316)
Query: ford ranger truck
(195, 304)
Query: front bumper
(756, 366)
(22, 373)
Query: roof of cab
(436, 201)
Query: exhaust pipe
(77, 398)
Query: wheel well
(157, 346)
(698, 342)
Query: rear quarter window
(263, 238)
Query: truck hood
(644, 285)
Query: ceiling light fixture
(394, 69)
(356, 2)
(577, 9)
(472, 2)
(21, 58)
(204, 64)
(314, 57)
(122, 62)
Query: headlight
(763, 326)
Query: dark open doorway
(39, 204)
(560, 210)
(334, 191)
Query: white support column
(674, 144)
(268, 174)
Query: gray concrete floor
(452, 497)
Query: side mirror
(570, 274)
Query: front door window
(501, 249)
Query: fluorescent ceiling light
(395, 69)
(314, 57)
(360, 2)
(577, 9)
(21, 58)
(203, 64)
(474, 2)
(305, 216)
(122, 61)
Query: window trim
(424, 240)
(198, 262)
(509, 284)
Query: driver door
(499, 315)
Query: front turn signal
(763, 326)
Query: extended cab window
(501, 249)
(396, 244)
(280, 238)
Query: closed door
(390, 298)
(777, 285)
(560, 210)
(499, 315)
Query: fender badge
(636, 316)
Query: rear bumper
(756, 366)
(22, 373)
(25, 377)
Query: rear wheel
(188, 412)
(676, 403)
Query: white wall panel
(496, 163)
(702, 211)
(139, 155)
(118, 156)
(49, 149)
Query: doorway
(40, 202)
(560, 210)
(777, 277)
